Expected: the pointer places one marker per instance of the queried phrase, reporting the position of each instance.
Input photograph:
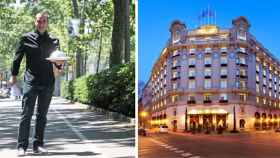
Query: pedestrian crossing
(177, 151)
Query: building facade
(209, 77)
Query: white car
(163, 129)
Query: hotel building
(214, 76)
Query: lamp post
(234, 121)
(186, 120)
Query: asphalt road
(242, 145)
(72, 131)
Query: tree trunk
(99, 52)
(126, 32)
(117, 34)
(78, 51)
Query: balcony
(224, 76)
(208, 50)
(175, 77)
(175, 55)
(191, 77)
(207, 76)
(243, 76)
(207, 64)
(191, 102)
(192, 66)
(223, 50)
(223, 101)
(207, 101)
(242, 64)
(223, 64)
(176, 66)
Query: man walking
(39, 81)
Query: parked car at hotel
(163, 129)
(142, 131)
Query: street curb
(109, 114)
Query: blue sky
(155, 17)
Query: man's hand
(13, 80)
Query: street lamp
(234, 121)
(143, 114)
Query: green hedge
(111, 89)
(67, 89)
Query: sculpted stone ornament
(58, 58)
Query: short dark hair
(43, 13)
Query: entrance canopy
(207, 111)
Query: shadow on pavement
(85, 153)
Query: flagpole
(215, 18)
(208, 15)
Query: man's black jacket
(36, 47)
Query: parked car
(142, 131)
(163, 129)
(277, 130)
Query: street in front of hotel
(259, 144)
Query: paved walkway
(72, 131)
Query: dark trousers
(30, 94)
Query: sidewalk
(72, 131)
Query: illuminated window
(242, 60)
(207, 61)
(257, 88)
(257, 78)
(223, 83)
(191, 84)
(175, 52)
(242, 97)
(242, 72)
(223, 96)
(192, 51)
(208, 50)
(207, 97)
(175, 63)
(257, 67)
(191, 72)
(175, 98)
(175, 74)
(223, 71)
(191, 61)
(264, 72)
(223, 60)
(207, 72)
(207, 83)
(258, 100)
(174, 85)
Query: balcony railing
(223, 101)
(191, 102)
(207, 101)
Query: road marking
(179, 151)
(175, 150)
(186, 154)
(172, 149)
(79, 134)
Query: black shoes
(21, 152)
(39, 150)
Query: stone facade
(203, 74)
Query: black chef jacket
(36, 47)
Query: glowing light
(207, 29)
(144, 114)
